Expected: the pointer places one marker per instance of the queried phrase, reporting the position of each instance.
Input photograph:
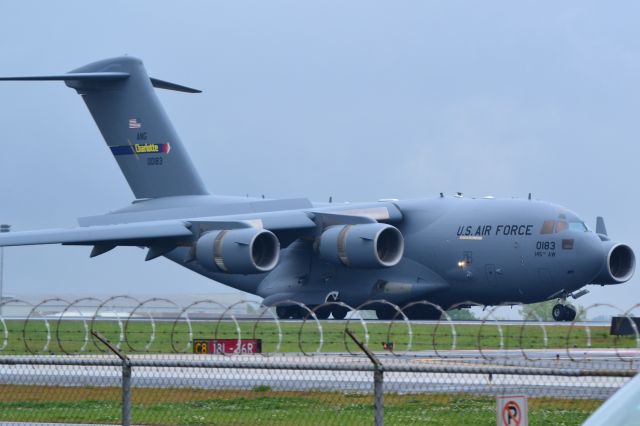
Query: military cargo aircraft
(448, 249)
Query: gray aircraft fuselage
(488, 251)
(484, 250)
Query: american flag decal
(134, 123)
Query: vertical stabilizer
(136, 127)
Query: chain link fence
(121, 360)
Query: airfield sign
(227, 346)
(512, 411)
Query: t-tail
(120, 96)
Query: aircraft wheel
(569, 313)
(290, 312)
(339, 312)
(421, 312)
(558, 312)
(298, 312)
(385, 312)
(284, 312)
(323, 312)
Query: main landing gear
(338, 311)
(562, 312)
(298, 312)
(291, 312)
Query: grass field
(263, 406)
(169, 337)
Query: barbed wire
(162, 326)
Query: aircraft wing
(148, 232)
(121, 234)
(163, 235)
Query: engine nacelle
(619, 266)
(367, 246)
(238, 251)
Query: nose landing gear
(562, 312)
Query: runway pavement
(240, 372)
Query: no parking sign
(512, 411)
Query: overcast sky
(359, 100)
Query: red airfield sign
(227, 346)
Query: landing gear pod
(367, 246)
(239, 251)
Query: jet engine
(238, 251)
(620, 264)
(365, 246)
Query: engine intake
(367, 246)
(620, 264)
(238, 251)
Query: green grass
(264, 406)
(297, 337)
(267, 407)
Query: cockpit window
(547, 227)
(578, 226)
(556, 226)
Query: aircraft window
(561, 225)
(578, 226)
(547, 227)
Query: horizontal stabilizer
(160, 84)
(101, 76)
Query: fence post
(378, 380)
(126, 393)
(126, 378)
